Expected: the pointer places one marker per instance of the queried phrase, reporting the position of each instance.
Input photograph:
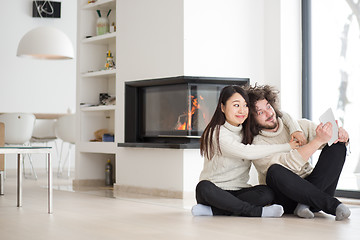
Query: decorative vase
(102, 25)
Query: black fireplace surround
(171, 112)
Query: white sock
(201, 210)
(342, 212)
(303, 211)
(272, 211)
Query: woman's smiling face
(236, 109)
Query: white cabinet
(93, 79)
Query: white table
(23, 150)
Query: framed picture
(46, 9)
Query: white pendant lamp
(45, 43)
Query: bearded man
(299, 187)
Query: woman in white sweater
(223, 187)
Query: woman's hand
(300, 137)
(294, 144)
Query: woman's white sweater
(230, 170)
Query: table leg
(19, 180)
(50, 188)
(1, 182)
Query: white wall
(224, 38)
(290, 63)
(272, 43)
(28, 85)
(36, 86)
(282, 40)
(150, 39)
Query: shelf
(161, 145)
(93, 79)
(97, 147)
(101, 5)
(101, 73)
(104, 39)
(98, 108)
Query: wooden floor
(97, 214)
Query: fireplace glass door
(178, 110)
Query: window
(332, 74)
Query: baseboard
(118, 189)
(78, 184)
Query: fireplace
(171, 112)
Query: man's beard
(270, 126)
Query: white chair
(44, 130)
(65, 130)
(18, 131)
(44, 133)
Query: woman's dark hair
(262, 92)
(207, 145)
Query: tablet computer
(328, 116)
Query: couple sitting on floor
(246, 127)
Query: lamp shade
(45, 43)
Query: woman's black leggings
(316, 190)
(247, 202)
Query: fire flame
(194, 106)
(182, 126)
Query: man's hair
(262, 92)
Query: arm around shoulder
(233, 148)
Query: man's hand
(324, 132)
(343, 135)
(323, 135)
(300, 137)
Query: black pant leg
(259, 195)
(294, 189)
(326, 173)
(223, 202)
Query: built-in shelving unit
(98, 108)
(100, 73)
(107, 38)
(96, 147)
(99, 4)
(93, 79)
